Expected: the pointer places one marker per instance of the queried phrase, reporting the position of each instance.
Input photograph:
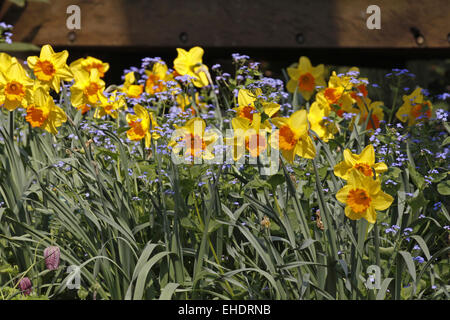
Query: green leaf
(18, 46)
(418, 202)
(383, 288)
(386, 252)
(445, 142)
(394, 172)
(439, 177)
(307, 243)
(276, 180)
(168, 291)
(422, 245)
(189, 224)
(409, 264)
(447, 127)
(7, 268)
(444, 188)
(417, 178)
(258, 184)
(322, 172)
(308, 190)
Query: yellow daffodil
(363, 196)
(130, 86)
(15, 86)
(304, 77)
(110, 106)
(318, 119)
(338, 95)
(156, 78)
(292, 138)
(90, 63)
(43, 112)
(50, 67)
(246, 103)
(366, 105)
(415, 108)
(359, 93)
(190, 63)
(194, 139)
(364, 163)
(5, 61)
(87, 90)
(246, 107)
(248, 134)
(140, 123)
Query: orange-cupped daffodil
(305, 78)
(194, 139)
(157, 78)
(338, 94)
(87, 89)
(292, 137)
(414, 108)
(247, 136)
(15, 86)
(110, 106)
(366, 106)
(43, 112)
(50, 67)
(141, 123)
(364, 163)
(90, 63)
(247, 109)
(318, 119)
(362, 196)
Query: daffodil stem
(216, 100)
(377, 243)
(394, 103)
(11, 125)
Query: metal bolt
(300, 38)
(420, 40)
(418, 36)
(183, 37)
(71, 36)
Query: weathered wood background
(232, 23)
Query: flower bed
(188, 182)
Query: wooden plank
(235, 23)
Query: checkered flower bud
(51, 256)
(25, 286)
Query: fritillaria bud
(25, 286)
(51, 256)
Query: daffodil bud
(265, 223)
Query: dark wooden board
(233, 23)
